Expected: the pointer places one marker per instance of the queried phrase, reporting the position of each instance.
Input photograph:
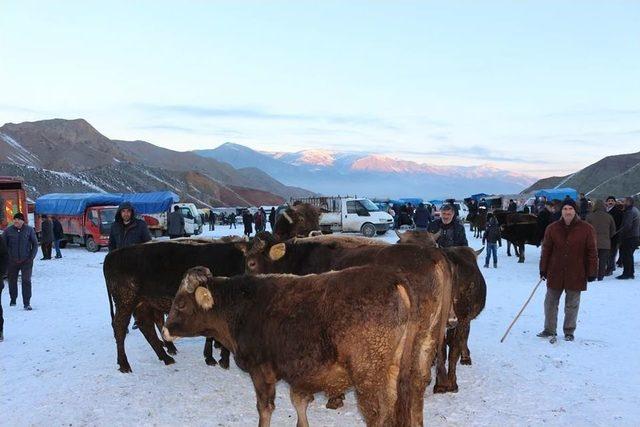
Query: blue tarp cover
(557, 193)
(77, 203)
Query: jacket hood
(125, 205)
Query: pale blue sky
(535, 86)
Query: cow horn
(479, 251)
(436, 236)
(277, 251)
(195, 277)
(204, 297)
(398, 234)
(287, 217)
(258, 245)
(315, 233)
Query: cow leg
(158, 318)
(441, 368)
(508, 248)
(264, 384)
(208, 352)
(455, 346)
(465, 358)
(521, 254)
(145, 317)
(120, 325)
(300, 402)
(224, 357)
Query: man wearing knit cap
(22, 245)
(569, 259)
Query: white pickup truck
(350, 215)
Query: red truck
(13, 199)
(86, 218)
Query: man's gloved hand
(591, 278)
(543, 275)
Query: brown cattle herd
(325, 314)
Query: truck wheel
(368, 230)
(92, 246)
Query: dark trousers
(1, 314)
(46, 250)
(627, 247)
(611, 264)
(12, 276)
(603, 261)
(56, 245)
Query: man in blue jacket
(22, 245)
(127, 230)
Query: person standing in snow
(232, 220)
(605, 228)
(421, 217)
(492, 238)
(22, 244)
(513, 207)
(247, 221)
(58, 235)
(4, 259)
(46, 237)
(584, 206)
(629, 238)
(212, 221)
(568, 261)
(616, 213)
(452, 231)
(272, 218)
(175, 223)
(127, 230)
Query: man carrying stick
(569, 259)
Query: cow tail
(110, 303)
(404, 393)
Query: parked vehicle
(350, 215)
(13, 199)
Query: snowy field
(58, 362)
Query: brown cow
(298, 220)
(321, 336)
(468, 303)
(326, 253)
(143, 279)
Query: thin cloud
(254, 113)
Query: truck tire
(368, 230)
(91, 245)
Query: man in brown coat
(569, 259)
(605, 228)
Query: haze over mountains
(71, 156)
(374, 175)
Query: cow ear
(277, 251)
(204, 298)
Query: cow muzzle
(167, 336)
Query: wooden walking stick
(521, 310)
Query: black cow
(518, 229)
(143, 279)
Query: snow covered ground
(58, 362)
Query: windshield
(107, 216)
(369, 205)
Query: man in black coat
(4, 258)
(617, 213)
(127, 230)
(247, 221)
(584, 207)
(452, 232)
(58, 235)
(421, 217)
(46, 237)
(513, 207)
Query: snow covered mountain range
(373, 175)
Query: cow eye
(181, 304)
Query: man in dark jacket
(58, 235)
(513, 207)
(629, 238)
(175, 223)
(46, 237)
(613, 209)
(272, 218)
(212, 221)
(569, 259)
(247, 221)
(492, 238)
(451, 231)
(584, 207)
(127, 230)
(544, 219)
(4, 259)
(421, 217)
(22, 245)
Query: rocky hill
(70, 155)
(614, 175)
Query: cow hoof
(437, 389)
(520, 260)
(172, 350)
(125, 369)
(452, 389)
(168, 360)
(508, 254)
(465, 360)
(210, 361)
(335, 402)
(224, 363)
